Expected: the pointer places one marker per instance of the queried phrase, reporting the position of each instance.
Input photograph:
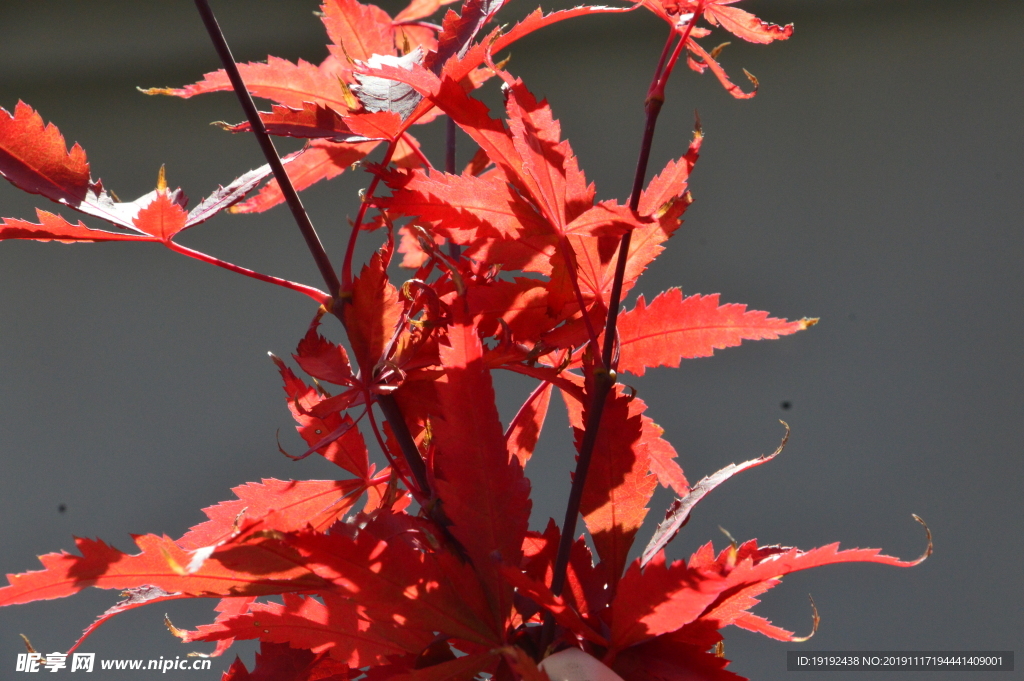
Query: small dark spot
(786, 404)
(852, 317)
(62, 508)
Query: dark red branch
(454, 251)
(314, 293)
(316, 248)
(391, 410)
(366, 198)
(411, 453)
(604, 374)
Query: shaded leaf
(679, 511)
(659, 599)
(281, 662)
(323, 359)
(460, 206)
(482, 488)
(556, 605)
(348, 451)
(373, 315)
(619, 485)
(523, 432)
(458, 31)
(226, 609)
(314, 503)
(409, 593)
(312, 121)
(521, 307)
(596, 259)
(161, 563)
(332, 626)
(462, 669)
(662, 659)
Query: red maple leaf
(482, 489)
(333, 626)
(426, 570)
(672, 328)
(161, 563)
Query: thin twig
(393, 413)
(387, 455)
(391, 409)
(604, 374)
(449, 167)
(366, 198)
(314, 293)
(316, 248)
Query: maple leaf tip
(815, 621)
(175, 631)
(28, 644)
(928, 534)
(161, 179)
(808, 322)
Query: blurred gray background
(875, 181)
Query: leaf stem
(350, 249)
(316, 248)
(449, 145)
(416, 150)
(604, 375)
(384, 448)
(454, 251)
(314, 293)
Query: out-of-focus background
(875, 181)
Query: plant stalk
(604, 375)
(454, 251)
(392, 412)
(314, 293)
(316, 248)
(350, 250)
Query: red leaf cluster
(424, 568)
